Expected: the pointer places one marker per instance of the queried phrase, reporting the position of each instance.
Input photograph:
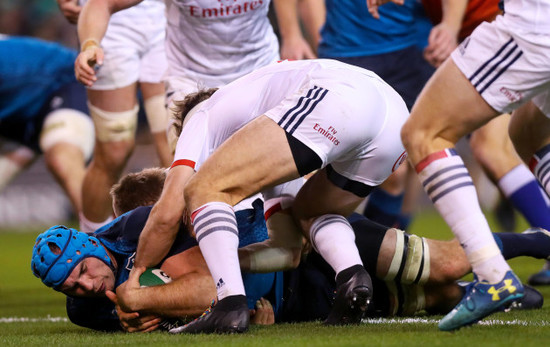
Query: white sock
(449, 185)
(88, 227)
(218, 237)
(333, 238)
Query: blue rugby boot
(481, 299)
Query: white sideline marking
(366, 321)
(435, 321)
(33, 319)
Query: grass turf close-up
(32, 314)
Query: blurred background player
(43, 111)
(130, 52)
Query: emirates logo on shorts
(329, 133)
(511, 95)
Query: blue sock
(531, 203)
(521, 188)
(536, 245)
(384, 208)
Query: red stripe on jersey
(272, 210)
(429, 159)
(194, 214)
(185, 162)
(533, 163)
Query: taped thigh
(114, 126)
(411, 261)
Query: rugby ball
(153, 277)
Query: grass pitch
(32, 315)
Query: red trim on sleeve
(272, 210)
(429, 159)
(185, 162)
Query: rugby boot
(229, 315)
(352, 299)
(481, 299)
(532, 300)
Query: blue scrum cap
(59, 249)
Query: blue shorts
(27, 132)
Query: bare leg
(110, 157)
(66, 163)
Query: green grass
(23, 295)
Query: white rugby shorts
(507, 65)
(133, 47)
(355, 126)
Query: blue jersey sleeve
(92, 313)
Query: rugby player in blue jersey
(43, 111)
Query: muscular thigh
(529, 130)
(255, 157)
(320, 196)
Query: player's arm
(189, 294)
(443, 37)
(70, 9)
(92, 25)
(161, 228)
(281, 251)
(293, 45)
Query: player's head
(137, 189)
(185, 108)
(72, 262)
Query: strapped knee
(411, 260)
(114, 126)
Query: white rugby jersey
(531, 15)
(217, 41)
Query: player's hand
(373, 5)
(90, 57)
(296, 49)
(133, 321)
(263, 314)
(128, 293)
(70, 9)
(441, 43)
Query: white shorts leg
(354, 125)
(506, 67)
